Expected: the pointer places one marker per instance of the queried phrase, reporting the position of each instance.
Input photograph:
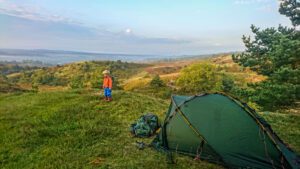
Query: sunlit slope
(76, 129)
(169, 71)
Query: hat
(105, 72)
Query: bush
(76, 82)
(95, 80)
(200, 77)
(156, 82)
(35, 87)
(227, 83)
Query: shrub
(156, 82)
(200, 77)
(76, 82)
(227, 83)
(35, 87)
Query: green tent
(220, 129)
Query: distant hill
(130, 76)
(9, 67)
(169, 71)
(62, 57)
(87, 74)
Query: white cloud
(71, 34)
(36, 13)
(32, 13)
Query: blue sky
(164, 27)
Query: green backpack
(145, 126)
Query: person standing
(107, 85)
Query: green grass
(75, 129)
(287, 126)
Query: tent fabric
(223, 130)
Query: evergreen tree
(275, 53)
(156, 82)
(291, 9)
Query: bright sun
(128, 30)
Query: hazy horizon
(62, 56)
(166, 27)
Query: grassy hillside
(76, 75)
(6, 86)
(76, 129)
(130, 76)
(169, 71)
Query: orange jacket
(107, 82)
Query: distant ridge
(30, 51)
(65, 56)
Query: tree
(291, 9)
(270, 50)
(201, 77)
(272, 95)
(274, 53)
(227, 83)
(156, 82)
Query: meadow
(54, 117)
(76, 129)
